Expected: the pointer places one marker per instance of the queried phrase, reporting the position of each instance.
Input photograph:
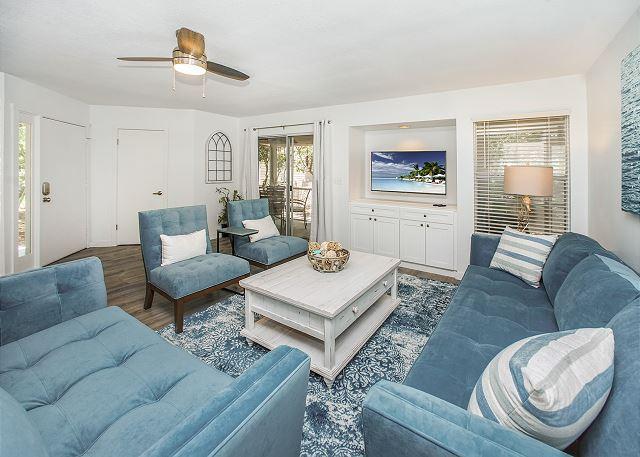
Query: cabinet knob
(355, 310)
(427, 225)
(372, 210)
(421, 225)
(369, 218)
(385, 284)
(375, 219)
(424, 215)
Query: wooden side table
(233, 231)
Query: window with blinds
(536, 141)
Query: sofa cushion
(568, 251)
(490, 310)
(34, 300)
(522, 254)
(272, 250)
(188, 276)
(18, 436)
(550, 387)
(104, 384)
(615, 431)
(595, 290)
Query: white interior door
(142, 178)
(63, 210)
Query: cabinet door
(386, 236)
(440, 245)
(361, 233)
(412, 241)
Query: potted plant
(226, 195)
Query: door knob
(46, 199)
(158, 193)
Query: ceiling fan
(189, 58)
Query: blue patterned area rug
(332, 420)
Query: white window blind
(534, 141)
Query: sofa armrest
(259, 414)
(38, 299)
(483, 246)
(400, 421)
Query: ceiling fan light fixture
(189, 65)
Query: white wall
(542, 97)
(187, 132)
(418, 139)
(21, 95)
(615, 229)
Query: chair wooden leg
(178, 315)
(148, 297)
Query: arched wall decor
(219, 163)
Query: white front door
(63, 172)
(142, 178)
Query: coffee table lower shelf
(271, 334)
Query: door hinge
(117, 141)
(116, 226)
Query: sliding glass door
(286, 176)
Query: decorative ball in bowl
(328, 256)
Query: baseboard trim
(102, 244)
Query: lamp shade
(528, 180)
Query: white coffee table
(330, 316)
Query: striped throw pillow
(523, 255)
(549, 386)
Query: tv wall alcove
(399, 224)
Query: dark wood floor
(125, 281)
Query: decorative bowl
(323, 263)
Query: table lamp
(527, 181)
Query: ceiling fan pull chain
(204, 85)
(174, 78)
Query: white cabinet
(412, 241)
(362, 233)
(414, 233)
(440, 245)
(377, 235)
(385, 236)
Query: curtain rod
(283, 126)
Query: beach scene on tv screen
(409, 171)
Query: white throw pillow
(549, 386)
(265, 227)
(182, 247)
(523, 254)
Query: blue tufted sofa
(426, 415)
(80, 378)
(264, 253)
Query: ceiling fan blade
(190, 42)
(145, 59)
(227, 72)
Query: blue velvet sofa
(264, 253)
(80, 378)
(189, 279)
(426, 415)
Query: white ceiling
(301, 53)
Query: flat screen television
(423, 172)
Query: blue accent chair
(265, 253)
(78, 378)
(427, 416)
(183, 281)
